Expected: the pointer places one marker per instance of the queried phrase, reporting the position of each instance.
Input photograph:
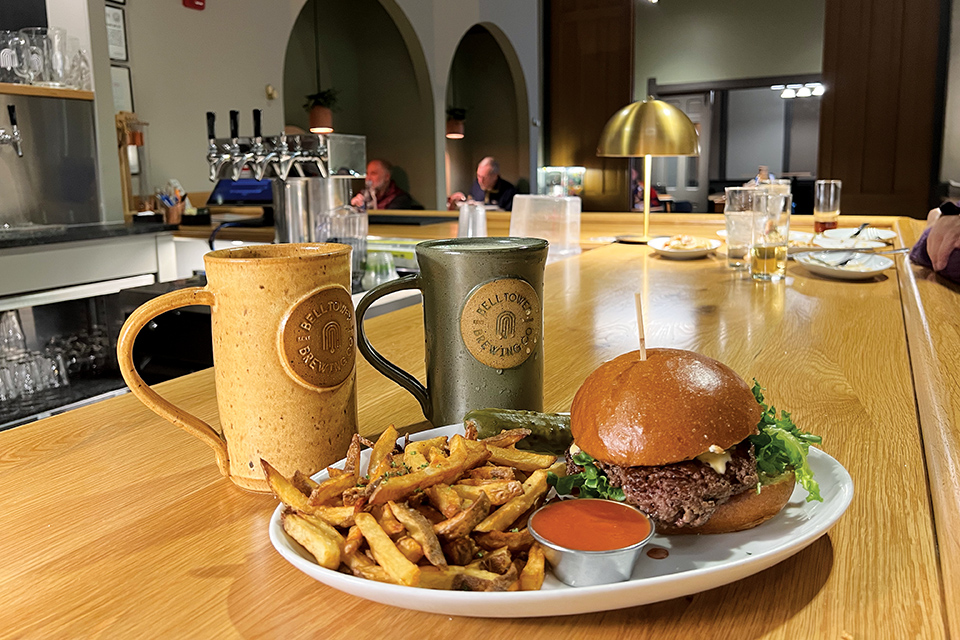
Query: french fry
(522, 460)
(438, 578)
(285, 490)
(331, 489)
(322, 541)
(497, 491)
(337, 516)
(384, 446)
(514, 540)
(353, 540)
(470, 430)
(353, 457)
(490, 472)
(445, 499)
(390, 524)
(502, 518)
(414, 459)
(506, 438)
(429, 512)
(424, 445)
(304, 483)
(531, 578)
(460, 525)
(410, 548)
(363, 567)
(498, 561)
(421, 530)
(479, 580)
(333, 472)
(460, 551)
(558, 468)
(435, 455)
(385, 552)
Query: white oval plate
(659, 245)
(862, 267)
(841, 243)
(867, 234)
(694, 564)
(796, 237)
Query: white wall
(754, 132)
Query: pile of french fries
(439, 513)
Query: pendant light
(321, 116)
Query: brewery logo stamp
(501, 323)
(317, 338)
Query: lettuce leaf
(781, 446)
(591, 482)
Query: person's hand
(455, 199)
(357, 201)
(943, 239)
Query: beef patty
(684, 493)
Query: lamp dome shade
(651, 127)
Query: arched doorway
(369, 53)
(486, 80)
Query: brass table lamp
(645, 129)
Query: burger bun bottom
(743, 511)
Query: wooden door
(879, 114)
(590, 77)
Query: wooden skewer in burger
(682, 437)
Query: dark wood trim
(655, 89)
(723, 103)
(787, 125)
(940, 105)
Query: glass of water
(770, 235)
(738, 216)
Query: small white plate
(863, 267)
(867, 234)
(799, 237)
(846, 243)
(694, 564)
(660, 246)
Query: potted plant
(320, 106)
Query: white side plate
(659, 245)
(862, 267)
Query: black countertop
(34, 235)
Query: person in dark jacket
(939, 246)
(489, 188)
(381, 191)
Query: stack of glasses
(24, 373)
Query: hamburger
(687, 441)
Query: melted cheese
(716, 461)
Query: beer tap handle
(12, 112)
(234, 124)
(257, 115)
(14, 130)
(211, 125)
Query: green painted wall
(705, 40)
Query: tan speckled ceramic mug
(284, 352)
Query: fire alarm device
(195, 4)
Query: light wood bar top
(116, 524)
(11, 89)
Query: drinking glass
(10, 45)
(738, 217)
(771, 231)
(380, 268)
(473, 220)
(12, 342)
(8, 390)
(346, 226)
(826, 205)
(781, 186)
(43, 57)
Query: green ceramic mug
(483, 324)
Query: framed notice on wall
(122, 89)
(116, 34)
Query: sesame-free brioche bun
(743, 511)
(671, 407)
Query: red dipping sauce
(590, 524)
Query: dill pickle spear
(550, 432)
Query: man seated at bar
(489, 188)
(381, 191)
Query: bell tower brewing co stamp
(317, 340)
(501, 323)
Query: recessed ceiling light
(819, 90)
(789, 93)
(794, 86)
(812, 84)
(779, 87)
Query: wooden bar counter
(115, 524)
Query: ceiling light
(794, 86)
(812, 84)
(819, 90)
(789, 93)
(804, 92)
(779, 87)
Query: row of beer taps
(12, 137)
(271, 157)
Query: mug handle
(128, 334)
(380, 363)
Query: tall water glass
(473, 220)
(738, 217)
(771, 231)
(345, 226)
(782, 185)
(826, 205)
